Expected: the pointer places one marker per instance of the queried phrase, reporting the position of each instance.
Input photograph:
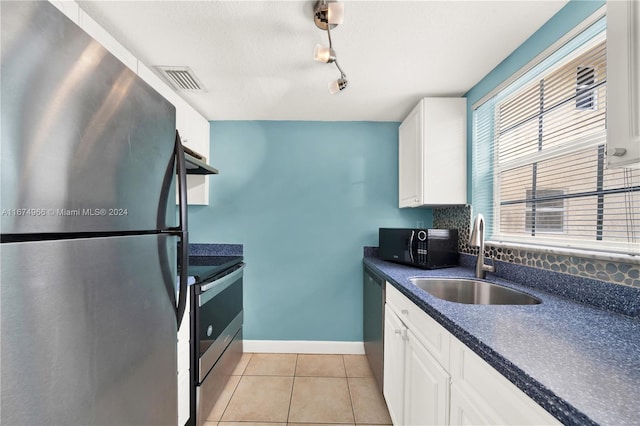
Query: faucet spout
(477, 240)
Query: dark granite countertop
(579, 362)
(206, 249)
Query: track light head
(338, 85)
(324, 54)
(328, 15)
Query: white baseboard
(303, 347)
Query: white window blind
(539, 172)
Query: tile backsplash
(459, 218)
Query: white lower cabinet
(481, 395)
(426, 386)
(431, 378)
(466, 411)
(394, 353)
(416, 386)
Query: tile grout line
(230, 397)
(234, 389)
(353, 411)
(293, 383)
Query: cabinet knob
(619, 152)
(397, 331)
(405, 312)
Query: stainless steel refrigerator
(89, 307)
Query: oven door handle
(224, 281)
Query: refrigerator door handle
(183, 232)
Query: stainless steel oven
(216, 336)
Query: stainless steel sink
(473, 292)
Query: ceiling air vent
(181, 78)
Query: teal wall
(561, 23)
(303, 198)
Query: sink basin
(473, 292)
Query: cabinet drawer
(431, 334)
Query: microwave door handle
(183, 232)
(413, 233)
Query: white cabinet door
(194, 131)
(464, 411)
(430, 377)
(394, 358)
(410, 159)
(432, 335)
(623, 83)
(432, 154)
(426, 387)
(483, 393)
(445, 151)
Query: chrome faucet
(477, 240)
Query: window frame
(589, 141)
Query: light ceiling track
(327, 16)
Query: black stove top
(203, 268)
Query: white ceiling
(255, 57)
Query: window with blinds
(539, 172)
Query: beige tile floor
(290, 389)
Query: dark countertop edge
(206, 249)
(552, 403)
(230, 261)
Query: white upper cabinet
(193, 129)
(194, 132)
(623, 83)
(432, 154)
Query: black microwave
(424, 248)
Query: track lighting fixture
(328, 15)
(338, 85)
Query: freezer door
(86, 145)
(89, 332)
